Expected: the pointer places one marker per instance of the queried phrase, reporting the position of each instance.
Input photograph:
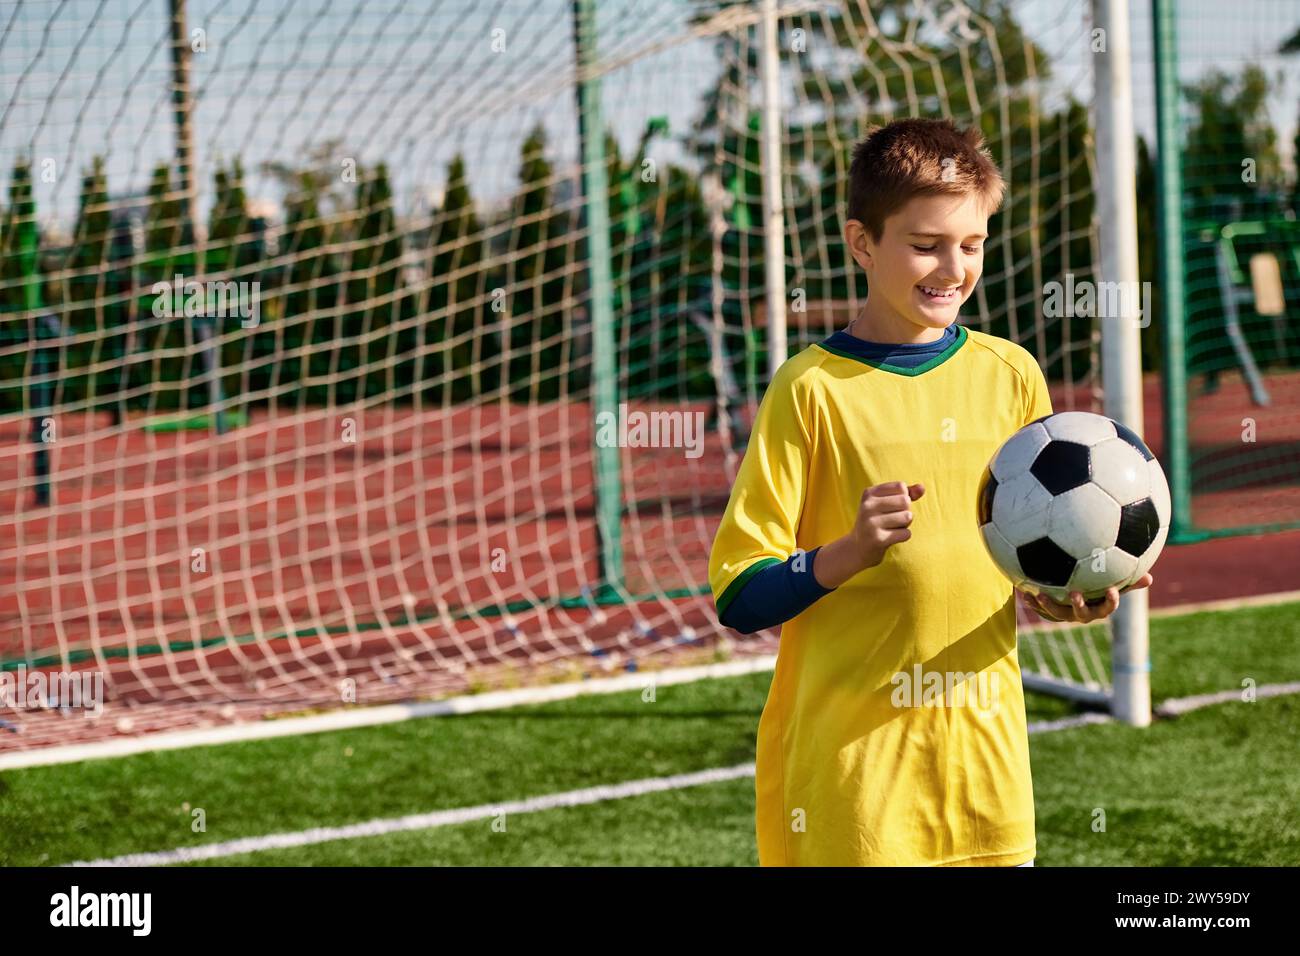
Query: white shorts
(1030, 863)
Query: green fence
(1229, 276)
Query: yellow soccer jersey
(894, 731)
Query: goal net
(313, 325)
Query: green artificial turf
(1214, 787)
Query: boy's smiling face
(924, 266)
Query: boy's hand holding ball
(1079, 611)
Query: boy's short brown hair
(918, 157)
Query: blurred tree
(311, 329)
(462, 354)
(535, 280)
(374, 289)
(15, 333)
(1231, 129)
(86, 280)
(163, 336)
(306, 280)
(1153, 355)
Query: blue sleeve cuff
(775, 595)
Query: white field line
(571, 798)
(374, 716)
(1068, 723)
(1183, 705)
(392, 713)
(426, 821)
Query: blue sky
(394, 81)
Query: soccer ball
(1074, 502)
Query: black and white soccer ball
(1074, 502)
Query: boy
(885, 425)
